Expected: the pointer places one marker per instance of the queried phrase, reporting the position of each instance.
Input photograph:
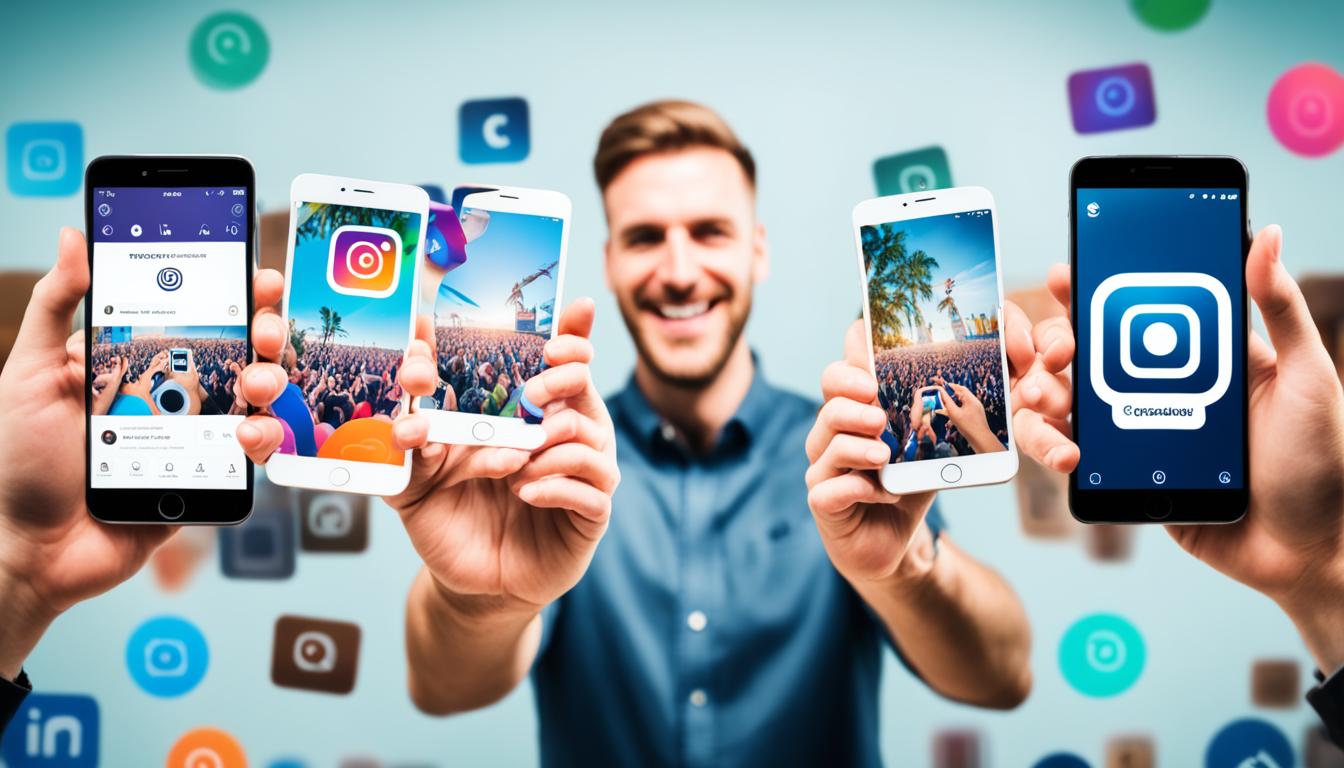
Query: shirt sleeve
(12, 694)
(550, 614)
(1327, 699)
(934, 520)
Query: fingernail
(259, 380)
(877, 455)
(248, 433)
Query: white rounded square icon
(1160, 410)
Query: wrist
(482, 612)
(23, 621)
(1318, 613)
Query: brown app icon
(1276, 683)
(956, 749)
(315, 654)
(1130, 751)
(1318, 751)
(333, 522)
(1110, 543)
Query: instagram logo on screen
(1112, 98)
(1306, 110)
(364, 261)
(1155, 321)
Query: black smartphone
(167, 329)
(1160, 316)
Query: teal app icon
(228, 50)
(912, 171)
(44, 159)
(1101, 655)
(167, 656)
(1170, 15)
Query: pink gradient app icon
(1306, 110)
(364, 261)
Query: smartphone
(171, 253)
(933, 298)
(352, 277)
(1158, 258)
(493, 315)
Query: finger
(844, 379)
(410, 431)
(575, 460)
(485, 463)
(268, 287)
(418, 374)
(47, 319)
(568, 349)
(570, 426)
(262, 383)
(1276, 293)
(577, 319)
(838, 415)
(838, 495)
(1053, 338)
(1050, 394)
(1017, 339)
(269, 334)
(847, 452)
(589, 503)
(424, 333)
(1057, 280)
(260, 436)
(857, 351)
(1261, 359)
(559, 383)
(1044, 441)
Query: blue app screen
(1160, 315)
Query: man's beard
(737, 322)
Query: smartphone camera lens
(144, 173)
(342, 189)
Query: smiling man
(720, 620)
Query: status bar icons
(44, 159)
(1102, 655)
(315, 654)
(912, 171)
(494, 131)
(228, 50)
(1306, 110)
(1112, 98)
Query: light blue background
(818, 91)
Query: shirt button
(697, 620)
(699, 698)
(668, 432)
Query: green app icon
(1170, 15)
(1101, 655)
(912, 171)
(228, 50)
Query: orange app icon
(206, 748)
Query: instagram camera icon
(1160, 410)
(364, 261)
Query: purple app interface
(1112, 98)
(169, 336)
(349, 307)
(493, 312)
(1160, 330)
(933, 303)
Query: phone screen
(1160, 312)
(933, 299)
(169, 336)
(494, 312)
(349, 305)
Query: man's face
(684, 252)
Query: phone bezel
(310, 471)
(201, 506)
(927, 474)
(455, 427)
(1144, 505)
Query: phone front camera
(144, 173)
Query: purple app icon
(1112, 98)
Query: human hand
(969, 419)
(866, 530)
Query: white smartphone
(933, 299)
(493, 314)
(351, 287)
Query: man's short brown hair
(665, 126)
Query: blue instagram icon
(1112, 98)
(494, 131)
(44, 159)
(1161, 347)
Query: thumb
(856, 346)
(46, 322)
(1277, 295)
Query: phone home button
(171, 506)
(1157, 506)
(339, 476)
(482, 431)
(951, 473)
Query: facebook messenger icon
(1145, 392)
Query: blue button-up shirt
(711, 627)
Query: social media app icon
(167, 656)
(1170, 15)
(315, 654)
(206, 748)
(228, 50)
(333, 522)
(287, 762)
(1306, 110)
(263, 547)
(913, 171)
(44, 159)
(494, 131)
(52, 731)
(1157, 306)
(435, 193)
(1061, 760)
(1131, 751)
(1249, 743)
(1112, 98)
(1276, 683)
(364, 261)
(1101, 655)
(956, 749)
